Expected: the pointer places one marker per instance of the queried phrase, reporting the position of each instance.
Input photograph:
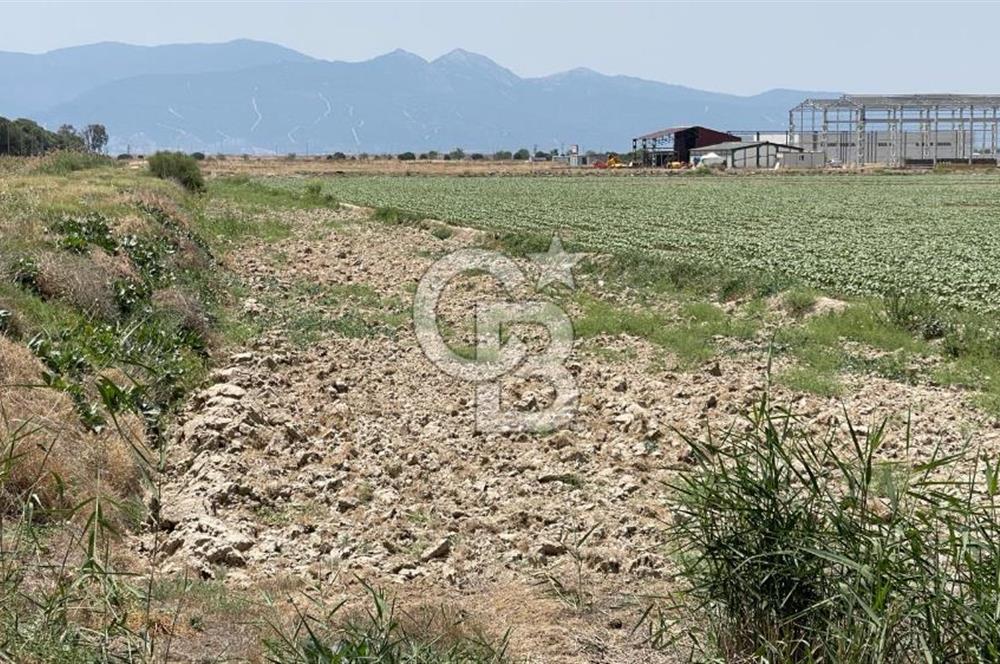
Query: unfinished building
(660, 148)
(899, 130)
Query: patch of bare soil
(352, 457)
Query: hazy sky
(731, 47)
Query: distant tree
(503, 155)
(477, 156)
(198, 156)
(433, 154)
(339, 156)
(69, 138)
(95, 137)
(457, 154)
(554, 152)
(24, 137)
(522, 154)
(541, 156)
(406, 156)
(446, 157)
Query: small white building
(740, 154)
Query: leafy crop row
(936, 235)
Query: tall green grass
(65, 162)
(802, 547)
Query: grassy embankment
(114, 299)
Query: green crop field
(937, 235)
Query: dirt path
(332, 451)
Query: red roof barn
(675, 143)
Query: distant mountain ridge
(250, 96)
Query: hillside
(246, 96)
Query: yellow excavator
(612, 162)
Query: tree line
(24, 138)
(459, 154)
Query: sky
(741, 48)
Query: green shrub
(799, 547)
(314, 195)
(701, 171)
(25, 273)
(917, 314)
(177, 166)
(799, 301)
(442, 232)
(81, 231)
(396, 216)
(519, 243)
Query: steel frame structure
(973, 118)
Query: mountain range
(257, 97)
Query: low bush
(799, 301)
(79, 232)
(314, 195)
(442, 232)
(177, 166)
(396, 216)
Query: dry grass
(117, 266)
(78, 280)
(48, 454)
(184, 309)
(152, 200)
(261, 167)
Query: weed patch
(805, 548)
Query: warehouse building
(674, 144)
(899, 130)
(740, 154)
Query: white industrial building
(741, 154)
